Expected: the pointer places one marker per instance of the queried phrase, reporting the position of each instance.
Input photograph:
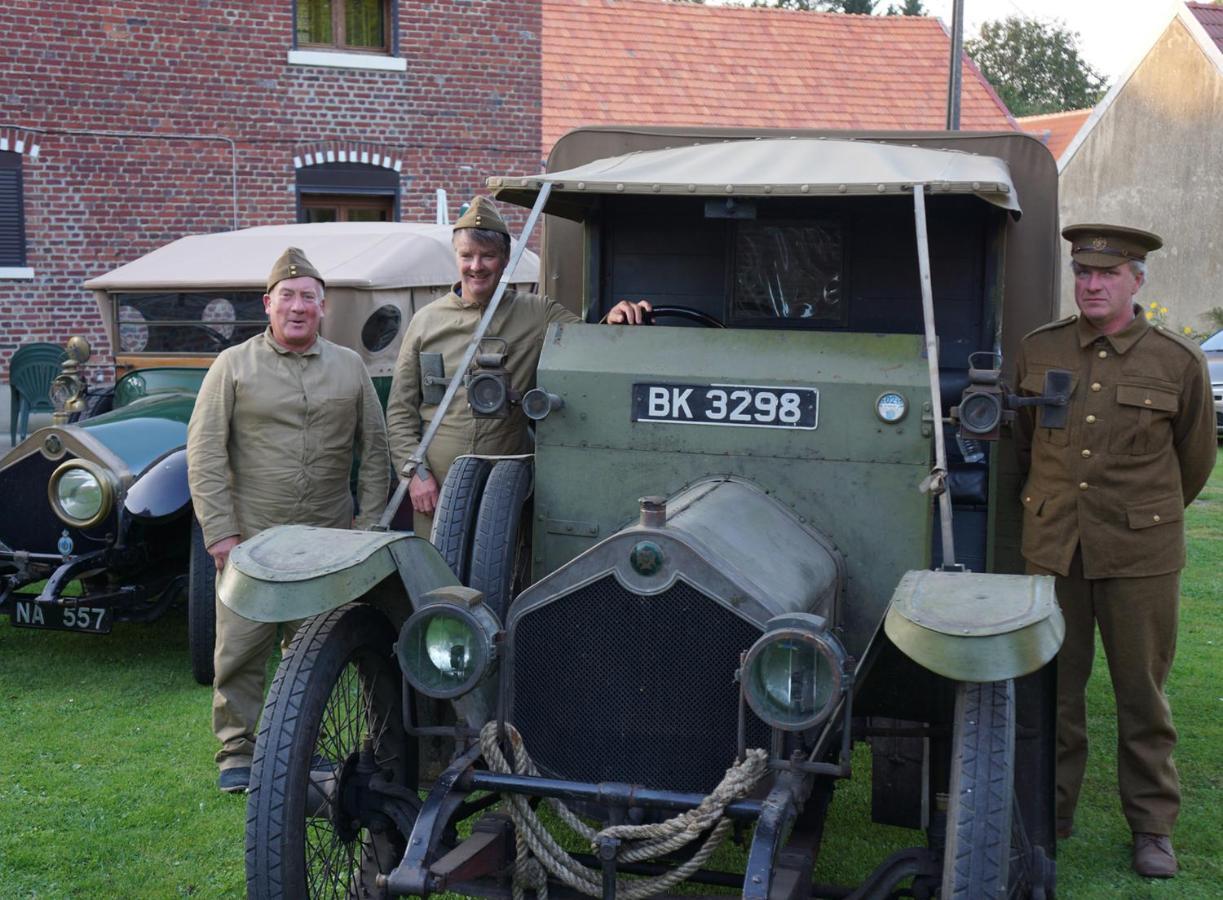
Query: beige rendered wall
(1154, 160)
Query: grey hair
(485, 237)
(1138, 267)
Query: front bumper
(121, 602)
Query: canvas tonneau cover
(783, 167)
(365, 256)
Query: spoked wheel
(501, 552)
(454, 522)
(987, 851)
(201, 606)
(332, 726)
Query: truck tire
(336, 685)
(980, 811)
(201, 606)
(501, 552)
(458, 506)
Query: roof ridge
(1054, 115)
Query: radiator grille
(612, 686)
(27, 521)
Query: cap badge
(1099, 243)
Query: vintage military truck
(100, 497)
(745, 543)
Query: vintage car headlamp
(66, 390)
(445, 648)
(538, 403)
(488, 394)
(793, 675)
(980, 412)
(81, 493)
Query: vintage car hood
(142, 431)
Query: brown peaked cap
(1106, 246)
(482, 213)
(292, 264)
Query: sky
(1112, 33)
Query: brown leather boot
(1065, 828)
(1153, 855)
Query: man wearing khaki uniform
(1103, 511)
(444, 328)
(271, 442)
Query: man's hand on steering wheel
(630, 312)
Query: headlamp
(980, 412)
(538, 403)
(446, 647)
(488, 394)
(66, 390)
(81, 493)
(793, 676)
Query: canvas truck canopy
(202, 293)
(365, 255)
(780, 167)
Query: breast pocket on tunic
(1143, 421)
(1033, 385)
(333, 420)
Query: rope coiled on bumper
(538, 853)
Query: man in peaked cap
(271, 441)
(435, 341)
(1103, 511)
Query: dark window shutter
(12, 217)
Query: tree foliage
(908, 8)
(1035, 66)
(862, 7)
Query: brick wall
(149, 117)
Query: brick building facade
(127, 124)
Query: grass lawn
(107, 786)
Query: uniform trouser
(1137, 619)
(441, 455)
(240, 661)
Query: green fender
(972, 626)
(291, 572)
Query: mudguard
(972, 626)
(291, 572)
(161, 491)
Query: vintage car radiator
(609, 685)
(28, 523)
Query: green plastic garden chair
(31, 371)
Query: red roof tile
(649, 62)
(1211, 18)
(1056, 130)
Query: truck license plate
(740, 405)
(89, 619)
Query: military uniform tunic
(1103, 510)
(271, 442)
(446, 326)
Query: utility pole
(956, 68)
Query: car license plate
(740, 405)
(89, 619)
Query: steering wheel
(684, 312)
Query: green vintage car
(775, 525)
(100, 497)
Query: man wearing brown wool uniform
(1104, 512)
(271, 441)
(442, 330)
